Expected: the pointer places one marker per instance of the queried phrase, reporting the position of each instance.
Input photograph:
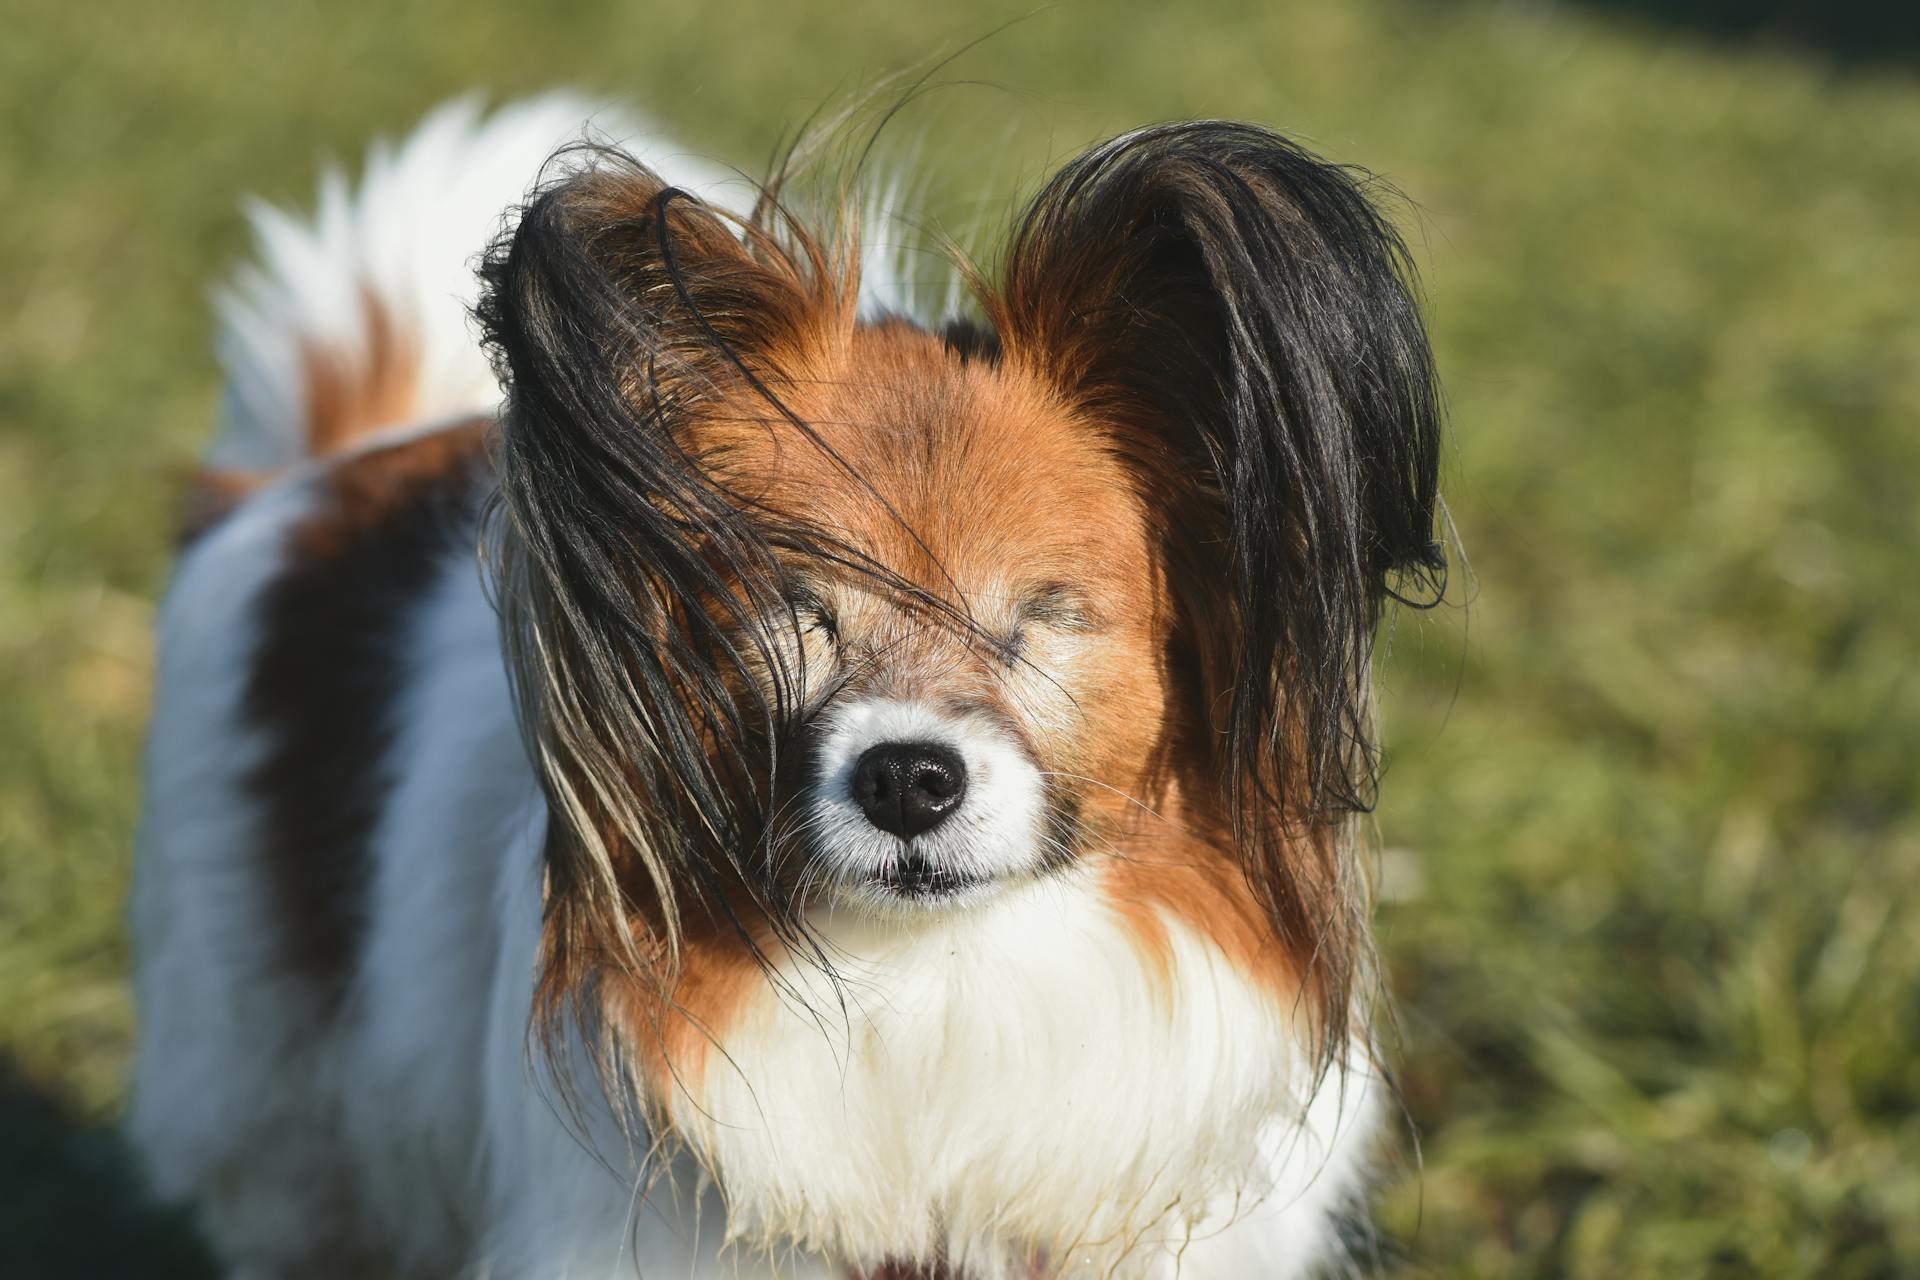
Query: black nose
(908, 787)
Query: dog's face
(811, 608)
(962, 714)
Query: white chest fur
(1025, 1075)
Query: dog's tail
(357, 319)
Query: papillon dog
(674, 757)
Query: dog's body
(1057, 1034)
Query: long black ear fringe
(1220, 281)
(630, 574)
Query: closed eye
(812, 615)
(1056, 607)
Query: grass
(1650, 802)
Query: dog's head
(815, 609)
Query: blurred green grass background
(1651, 836)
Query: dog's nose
(908, 787)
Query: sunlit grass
(1656, 776)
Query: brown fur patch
(1178, 879)
(674, 1017)
(327, 675)
(347, 399)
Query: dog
(671, 757)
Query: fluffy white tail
(359, 319)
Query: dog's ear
(1239, 314)
(620, 312)
(618, 297)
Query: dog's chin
(911, 886)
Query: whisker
(1131, 799)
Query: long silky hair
(1237, 315)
